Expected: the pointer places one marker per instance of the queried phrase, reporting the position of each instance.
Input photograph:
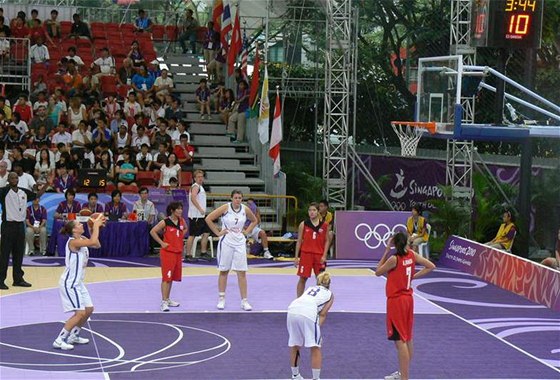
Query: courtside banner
(531, 280)
(365, 234)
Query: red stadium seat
(109, 188)
(158, 31)
(186, 179)
(146, 178)
(172, 32)
(65, 27)
(122, 91)
(129, 189)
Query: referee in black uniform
(14, 211)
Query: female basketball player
(306, 314)
(232, 251)
(171, 253)
(313, 243)
(73, 292)
(400, 305)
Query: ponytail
(324, 279)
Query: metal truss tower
(460, 153)
(339, 64)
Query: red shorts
(400, 318)
(171, 266)
(310, 261)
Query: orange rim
(429, 125)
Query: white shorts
(76, 298)
(255, 234)
(303, 332)
(231, 257)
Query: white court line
(105, 374)
(486, 331)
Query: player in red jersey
(171, 254)
(400, 269)
(313, 244)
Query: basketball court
(465, 328)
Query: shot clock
(515, 24)
(93, 178)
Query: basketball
(85, 212)
(94, 217)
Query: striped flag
(245, 53)
(236, 44)
(264, 111)
(226, 24)
(276, 137)
(217, 12)
(254, 90)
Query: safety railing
(15, 63)
(273, 210)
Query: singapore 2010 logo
(373, 237)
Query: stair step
(229, 189)
(253, 182)
(217, 176)
(181, 78)
(216, 150)
(189, 97)
(183, 59)
(207, 129)
(185, 87)
(222, 165)
(188, 69)
(195, 117)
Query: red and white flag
(226, 24)
(236, 44)
(276, 137)
(217, 12)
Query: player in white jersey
(73, 292)
(196, 214)
(232, 245)
(306, 314)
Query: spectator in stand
(189, 28)
(41, 101)
(57, 108)
(161, 135)
(142, 22)
(145, 209)
(64, 181)
(38, 87)
(101, 133)
(81, 136)
(140, 139)
(215, 66)
(160, 158)
(25, 110)
(4, 28)
(175, 110)
(41, 138)
(144, 158)
(178, 130)
(25, 180)
(52, 26)
(156, 112)
(4, 49)
(226, 105)
(135, 55)
(37, 32)
(171, 169)
(102, 66)
(131, 107)
(79, 28)
(163, 85)
(122, 139)
(68, 206)
(6, 108)
(142, 83)
(72, 56)
(116, 209)
(111, 107)
(17, 157)
(44, 168)
(77, 111)
(138, 122)
(39, 53)
(106, 163)
(118, 121)
(73, 79)
(92, 204)
(80, 160)
(202, 95)
(36, 222)
(126, 170)
(237, 119)
(3, 173)
(18, 28)
(20, 125)
(34, 17)
(62, 136)
(95, 109)
(184, 152)
(125, 73)
(208, 44)
(12, 137)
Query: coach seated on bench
(506, 234)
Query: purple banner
(536, 282)
(365, 234)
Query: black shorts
(198, 226)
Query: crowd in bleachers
(99, 100)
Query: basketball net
(409, 134)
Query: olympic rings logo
(380, 234)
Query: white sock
(75, 331)
(295, 371)
(316, 373)
(222, 294)
(243, 299)
(63, 334)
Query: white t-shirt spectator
(167, 81)
(21, 127)
(105, 64)
(138, 141)
(7, 161)
(52, 156)
(76, 59)
(62, 137)
(4, 46)
(131, 109)
(26, 181)
(169, 173)
(39, 54)
(140, 157)
(78, 136)
(155, 114)
(38, 104)
(4, 179)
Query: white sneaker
(164, 306)
(394, 376)
(59, 343)
(245, 305)
(297, 377)
(76, 339)
(221, 303)
(173, 303)
(267, 255)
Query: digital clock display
(507, 23)
(92, 178)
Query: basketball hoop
(410, 133)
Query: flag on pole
(235, 46)
(217, 12)
(244, 54)
(226, 24)
(264, 111)
(254, 91)
(276, 137)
